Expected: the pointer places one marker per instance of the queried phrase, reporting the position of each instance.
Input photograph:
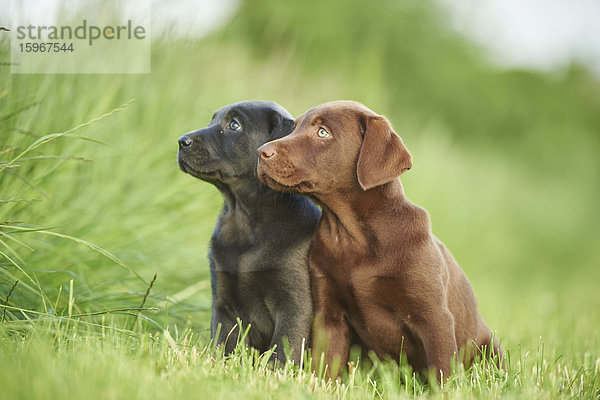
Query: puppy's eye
(322, 133)
(234, 125)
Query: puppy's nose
(266, 151)
(185, 141)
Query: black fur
(259, 248)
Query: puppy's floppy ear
(383, 156)
(280, 125)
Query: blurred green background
(505, 161)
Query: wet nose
(266, 151)
(185, 141)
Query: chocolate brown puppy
(379, 277)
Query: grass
(108, 239)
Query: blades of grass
(29, 320)
(189, 291)
(87, 314)
(17, 227)
(27, 181)
(59, 157)
(39, 142)
(308, 368)
(287, 349)
(213, 342)
(25, 285)
(71, 298)
(17, 241)
(144, 317)
(265, 357)
(11, 251)
(20, 110)
(88, 139)
(34, 324)
(53, 136)
(301, 370)
(321, 368)
(45, 299)
(70, 304)
(25, 132)
(38, 287)
(57, 300)
(7, 150)
(148, 291)
(6, 301)
(539, 363)
(174, 347)
(35, 282)
(97, 249)
(146, 295)
(116, 311)
(242, 337)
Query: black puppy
(259, 248)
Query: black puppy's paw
(277, 359)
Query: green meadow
(104, 279)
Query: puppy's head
(225, 151)
(337, 147)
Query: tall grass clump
(36, 300)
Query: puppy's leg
(331, 334)
(488, 346)
(226, 328)
(436, 332)
(293, 327)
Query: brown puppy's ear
(383, 156)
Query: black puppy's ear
(383, 156)
(280, 125)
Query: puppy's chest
(333, 254)
(232, 251)
(374, 302)
(376, 308)
(243, 296)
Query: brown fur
(378, 273)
